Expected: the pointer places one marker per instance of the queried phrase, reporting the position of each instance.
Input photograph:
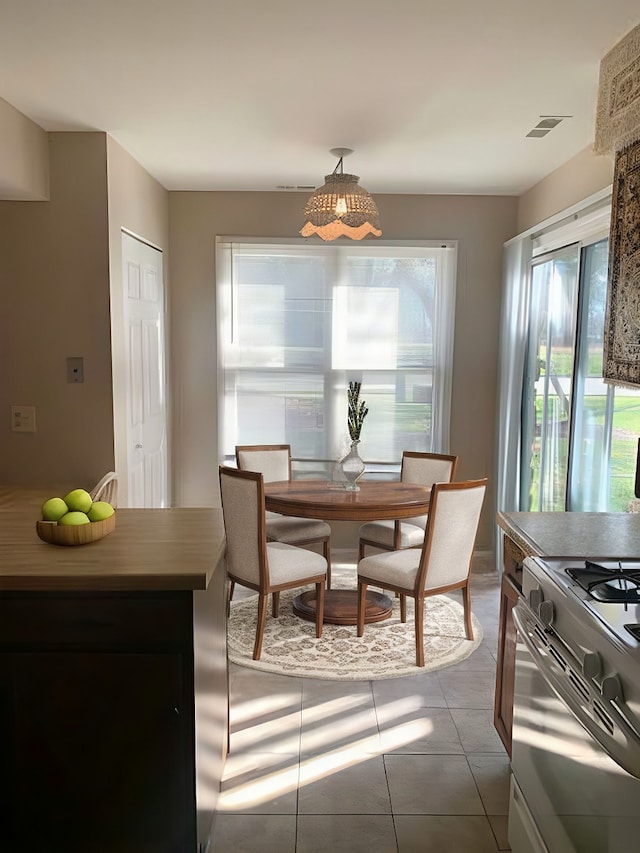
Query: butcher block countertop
(150, 549)
(593, 535)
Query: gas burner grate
(611, 585)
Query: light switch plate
(23, 418)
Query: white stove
(576, 730)
(611, 591)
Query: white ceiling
(434, 96)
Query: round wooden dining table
(374, 500)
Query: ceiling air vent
(545, 125)
(292, 187)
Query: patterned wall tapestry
(622, 324)
(618, 110)
(618, 131)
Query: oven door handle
(619, 752)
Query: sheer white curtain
(514, 321)
(297, 321)
(443, 346)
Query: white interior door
(146, 375)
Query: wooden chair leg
(360, 550)
(419, 619)
(326, 553)
(466, 603)
(362, 602)
(403, 607)
(262, 617)
(319, 608)
(275, 604)
(397, 535)
(230, 588)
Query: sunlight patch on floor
(260, 790)
(262, 706)
(338, 729)
(322, 710)
(392, 710)
(320, 766)
(271, 784)
(283, 730)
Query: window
(298, 322)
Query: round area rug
(387, 649)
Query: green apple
(75, 518)
(78, 501)
(54, 509)
(100, 510)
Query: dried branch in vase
(356, 411)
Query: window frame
(443, 303)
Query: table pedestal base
(341, 606)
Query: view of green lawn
(624, 444)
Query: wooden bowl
(75, 534)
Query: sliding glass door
(607, 419)
(579, 434)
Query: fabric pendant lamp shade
(341, 208)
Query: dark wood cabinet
(98, 745)
(94, 752)
(510, 591)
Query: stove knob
(546, 612)
(535, 598)
(612, 688)
(591, 665)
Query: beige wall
(54, 270)
(575, 180)
(481, 224)
(140, 205)
(24, 157)
(61, 273)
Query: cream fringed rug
(387, 649)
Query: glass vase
(352, 468)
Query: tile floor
(392, 766)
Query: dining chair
(441, 565)
(421, 468)
(106, 489)
(273, 461)
(267, 567)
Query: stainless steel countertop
(574, 534)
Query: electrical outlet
(23, 418)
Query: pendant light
(341, 207)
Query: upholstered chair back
(272, 461)
(426, 469)
(450, 534)
(242, 494)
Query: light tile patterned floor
(407, 765)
